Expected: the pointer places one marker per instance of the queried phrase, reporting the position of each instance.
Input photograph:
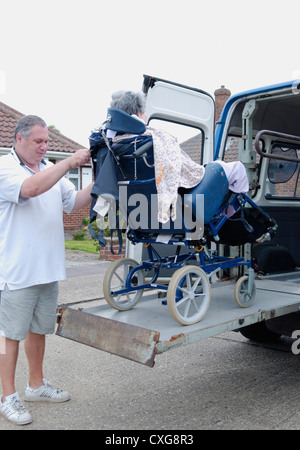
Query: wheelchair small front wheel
(241, 295)
(188, 295)
(115, 281)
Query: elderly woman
(133, 103)
(173, 167)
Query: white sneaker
(46, 393)
(14, 411)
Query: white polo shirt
(31, 230)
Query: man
(33, 196)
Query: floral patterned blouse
(173, 169)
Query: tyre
(189, 295)
(259, 332)
(115, 280)
(241, 295)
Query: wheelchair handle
(142, 150)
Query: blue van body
(220, 124)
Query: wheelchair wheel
(188, 295)
(241, 295)
(115, 280)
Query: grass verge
(88, 245)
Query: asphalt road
(221, 383)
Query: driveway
(224, 382)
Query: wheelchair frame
(189, 290)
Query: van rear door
(185, 105)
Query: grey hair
(129, 102)
(26, 123)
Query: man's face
(33, 149)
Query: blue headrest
(118, 120)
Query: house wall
(73, 221)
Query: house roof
(193, 147)
(9, 118)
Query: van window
(283, 176)
(231, 152)
(190, 139)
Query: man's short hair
(25, 125)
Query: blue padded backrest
(118, 120)
(214, 186)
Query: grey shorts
(29, 309)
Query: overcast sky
(62, 59)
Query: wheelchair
(124, 171)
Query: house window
(74, 176)
(86, 176)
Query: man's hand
(43, 181)
(79, 158)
